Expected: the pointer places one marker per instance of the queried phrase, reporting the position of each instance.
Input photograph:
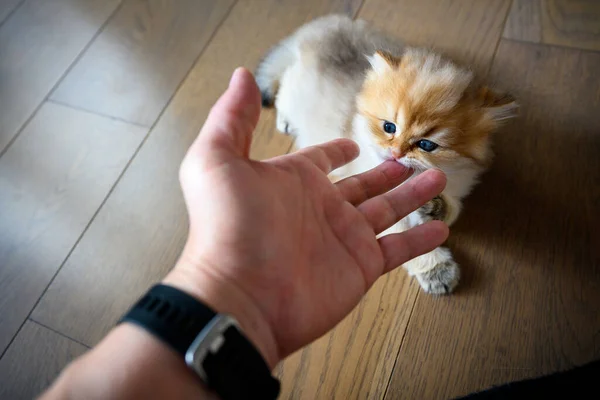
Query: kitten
(335, 77)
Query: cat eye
(427, 145)
(389, 127)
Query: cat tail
(271, 69)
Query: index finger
(331, 155)
(386, 176)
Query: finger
(385, 210)
(228, 129)
(331, 155)
(359, 188)
(398, 248)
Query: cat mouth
(408, 163)
(404, 162)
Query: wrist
(129, 363)
(226, 297)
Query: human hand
(275, 243)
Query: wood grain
(6, 7)
(571, 23)
(466, 30)
(38, 43)
(138, 234)
(528, 242)
(524, 21)
(355, 360)
(52, 180)
(133, 68)
(34, 360)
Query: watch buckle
(209, 340)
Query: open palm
(290, 252)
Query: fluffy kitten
(335, 77)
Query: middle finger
(385, 210)
(359, 188)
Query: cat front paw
(442, 279)
(434, 209)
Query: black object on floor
(578, 383)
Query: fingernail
(235, 75)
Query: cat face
(425, 112)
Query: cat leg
(441, 208)
(436, 271)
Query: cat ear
(382, 61)
(499, 106)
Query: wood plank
(37, 45)
(6, 7)
(52, 180)
(34, 360)
(528, 242)
(570, 23)
(133, 68)
(465, 30)
(355, 360)
(138, 234)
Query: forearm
(129, 363)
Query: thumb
(227, 132)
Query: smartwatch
(211, 344)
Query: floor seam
(412, 309)
(18, 134)
(99, 114)
(11, 12)
(359, 9)
(59, 81)
(133, 156)
(59, 333)
(500, 37)
(552, 45)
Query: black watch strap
(233, 367)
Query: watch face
(209, 341)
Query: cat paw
(442, 279)
(283, 126)
(435, 209)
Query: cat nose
(397, 154)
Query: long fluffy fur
(335, 77)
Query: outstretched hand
(275, 243)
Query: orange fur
(425, 96)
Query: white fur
(378, 63)
(429, 261)
(400, 121)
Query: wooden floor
(99, 99)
